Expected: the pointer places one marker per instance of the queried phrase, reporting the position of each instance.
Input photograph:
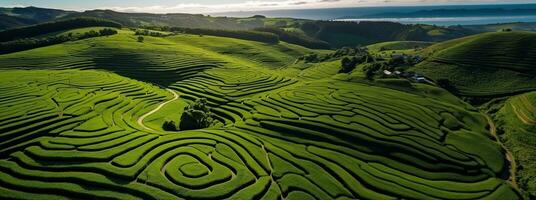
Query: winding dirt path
(509, 155)
(140, 120)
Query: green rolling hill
(317, 34)
(490, 64)
(82, 119)
(516, 122)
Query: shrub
(107, 31)
(348, 64)
(447, 85)
(197, 116)
(149, 33)
(371, 68)
(140, 38)
(169, 126)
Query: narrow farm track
(142, 118)
(522, 116)
(509, 156)
(527, 105)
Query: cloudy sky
(209, 6)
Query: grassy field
(70, 128)
(388, 49)
(517, 118)
(491, 64)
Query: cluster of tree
(149, 33)
(239, 34)
(349, 51)
(31, 43)
(195, 116)
(349, 63)
(107, 31)
(338, 54)
(295, 38)
(259, 16)
(370, 69)
(404, 60)
(447, 85)
(312, 58)
(50, 27)
(396, 63)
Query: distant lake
(449, 21)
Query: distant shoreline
(434, 15)
(450, 21)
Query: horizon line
(267, 10)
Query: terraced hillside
(491, 64)
(83, 123)
(517, 119)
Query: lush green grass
(398, 45)
(70, 127)
(491, 64)
(516, 26)
(517, 120)
(388, 49)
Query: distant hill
(17, 17)
(339, 33)
(7, 21)
(360, 12)
(316, 34)
(55, 26)
(33, 15)
(490, 64)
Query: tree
(197, 116)
(348, 64)
(447, 85)
(140, 38)
(371, 69)
(169, 126)
(107, 31)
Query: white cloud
(245, 6)
(284, 4)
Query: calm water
(361, 13)
(448, 21)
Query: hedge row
(31, 43)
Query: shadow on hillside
(161, 68)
